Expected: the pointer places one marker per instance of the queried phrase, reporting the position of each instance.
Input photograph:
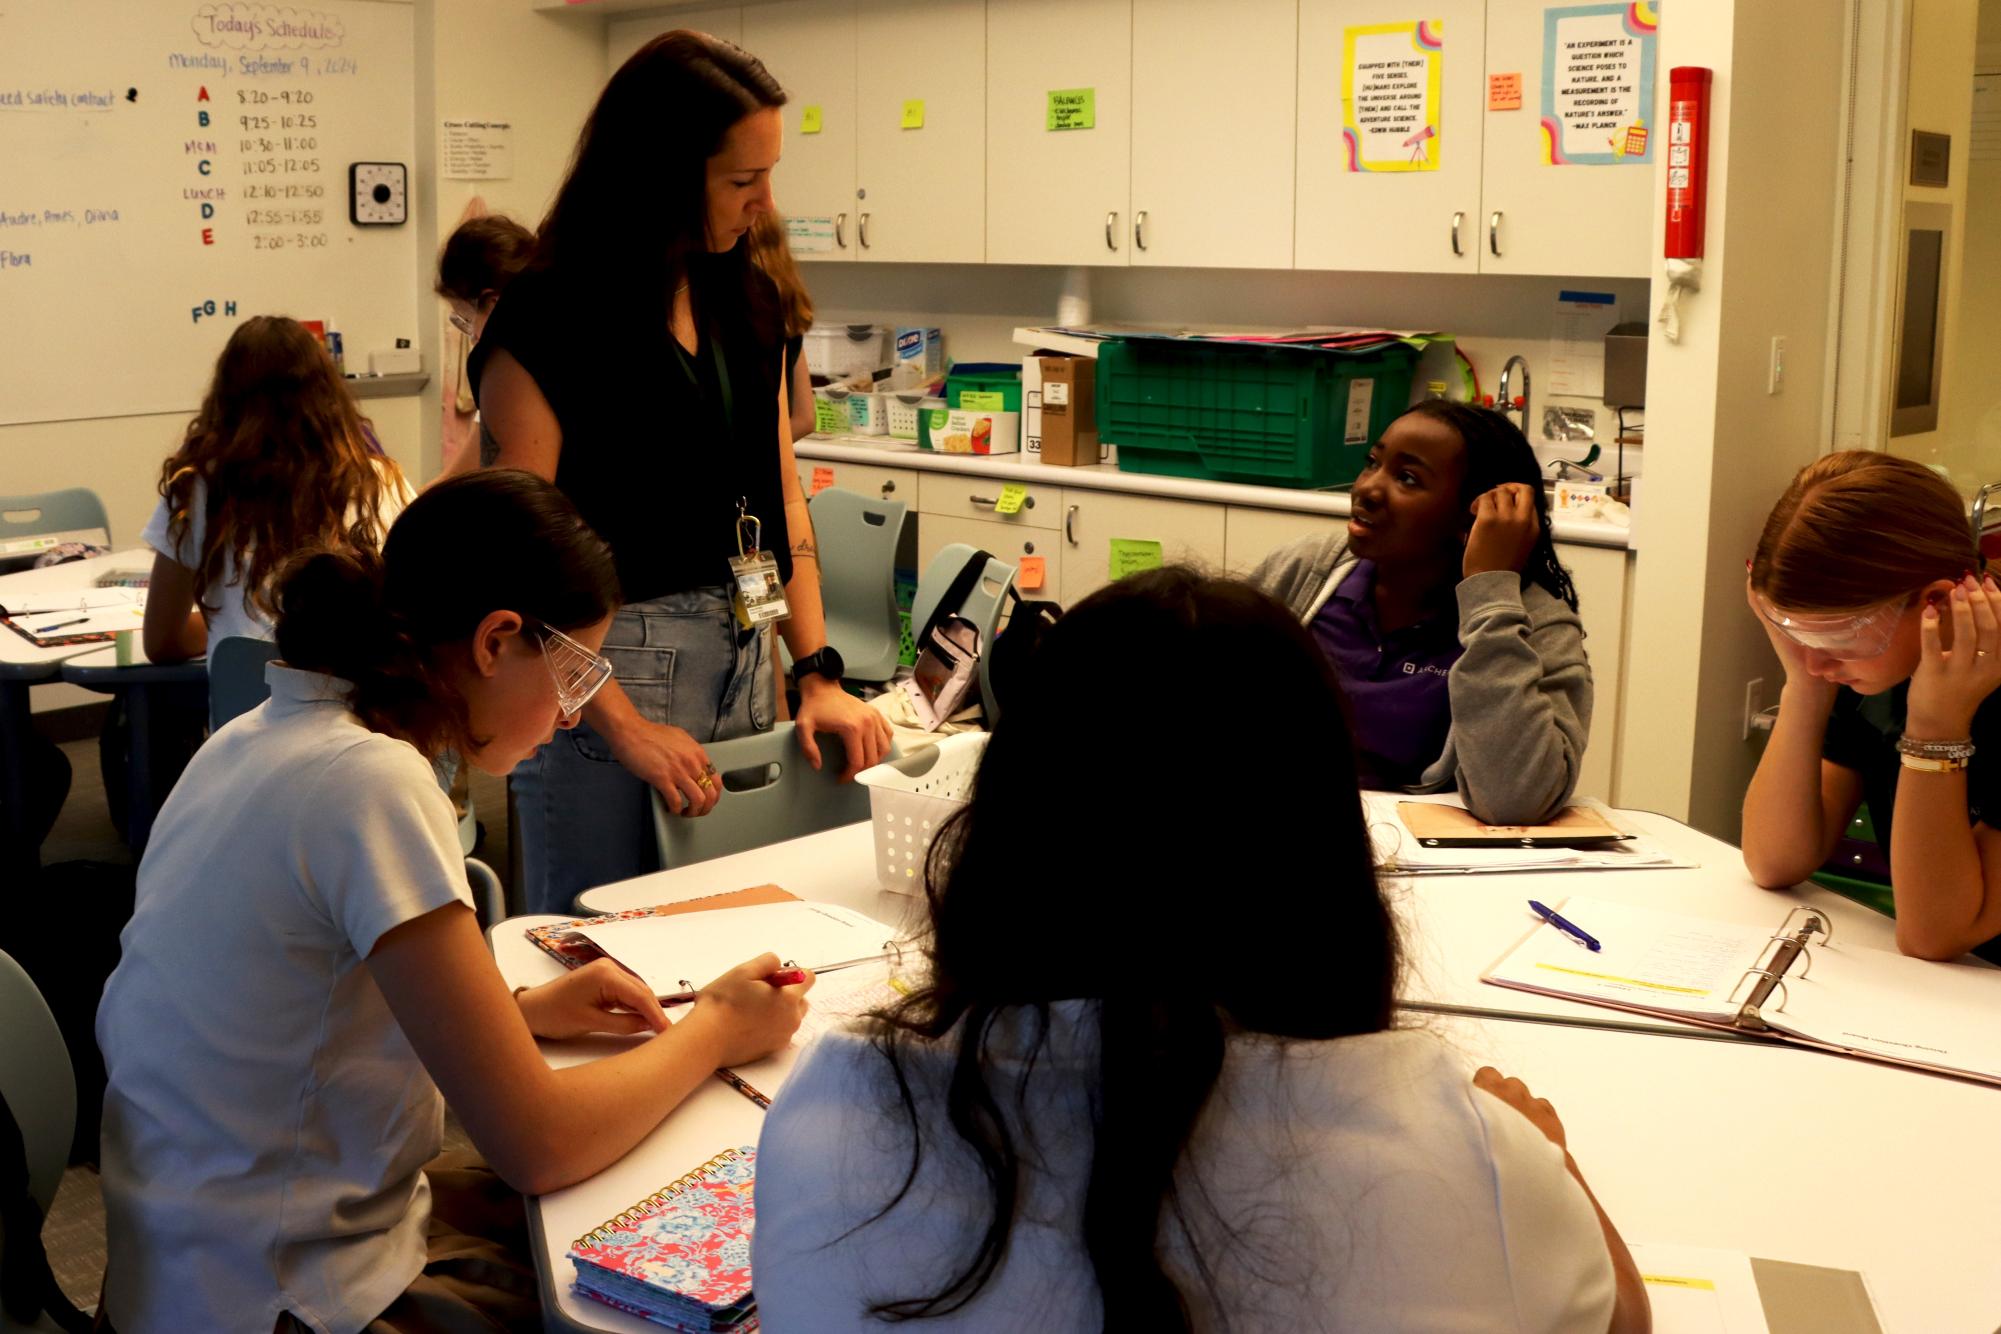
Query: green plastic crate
(1246, 412)
(984, 377)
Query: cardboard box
(1069, 410)
(975, 431)
(925, 348)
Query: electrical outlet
(1754, 703)
(1775, 376)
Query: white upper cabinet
(1059, 131)
(921, 131)
(1213, 114)
(1581, 217)
(809, 47)
(1385, 216)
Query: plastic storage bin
(903, 412)
(1245, 412)
(841, 350)
(984, 378)
(909, 800)
(867, 414)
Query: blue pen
(44, 629)
(1569, 928)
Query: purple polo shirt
(1396, 683)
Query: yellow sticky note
(809, 120)
(1029, 575)
(822, 479)
(1010, 500)
(913, 114)
(1130, 555)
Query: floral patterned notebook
(681, 1256)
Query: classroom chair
(857, 537)
(73, 509)
(236, 677)
(1986, 524)
(982, 606)
(39, 1086)
(236, 685)
(770, 794)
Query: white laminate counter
(879, 452)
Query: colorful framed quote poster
(1390, 79)
(1598, 84)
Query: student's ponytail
(471, 545)
(334, 617)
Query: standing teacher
(639, 365)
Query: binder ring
(1816, 921)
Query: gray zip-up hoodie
(1521, 692)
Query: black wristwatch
(827, 662)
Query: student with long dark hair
(303, 962)
(1864, 579)
(638, 364)
(1171, 1098)
(1450, 621)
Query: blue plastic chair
(770, 794)
(236, 677)
(72, 509)
(857, 537)
(982, 606)
(236, 685)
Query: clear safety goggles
(1859, 634)
(578, 672)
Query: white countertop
(880, 452)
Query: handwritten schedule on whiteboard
(174, 167)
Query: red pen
(787, 977)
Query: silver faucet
(1506, 398)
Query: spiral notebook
(681, 1256)
(1788, 980)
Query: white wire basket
(911, 798)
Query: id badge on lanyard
(755, 589)
(756, 592)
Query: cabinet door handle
(1139, 229)
(987, 502)
(1069, 532)
(1111, 221)
(841, 231)
(861, 229)
(888, 488)
(1457, 219)
(1494, 233)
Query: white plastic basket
(902, 411)
(911, 798)
(867, 415)
(840, 350)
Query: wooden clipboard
(1439, 826)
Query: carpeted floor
(73, 1233)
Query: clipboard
(1435, 825)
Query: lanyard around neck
(685, 360)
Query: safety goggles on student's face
(1860, 634)
(578, 672)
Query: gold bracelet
(1934, 764)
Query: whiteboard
(169, 168)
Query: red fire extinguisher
(1687, 187)
(1688, 160)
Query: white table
(1777, 1151)
(22, 664)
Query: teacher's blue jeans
(582, 819)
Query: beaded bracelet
(1936, 750)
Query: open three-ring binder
(1790, 980)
